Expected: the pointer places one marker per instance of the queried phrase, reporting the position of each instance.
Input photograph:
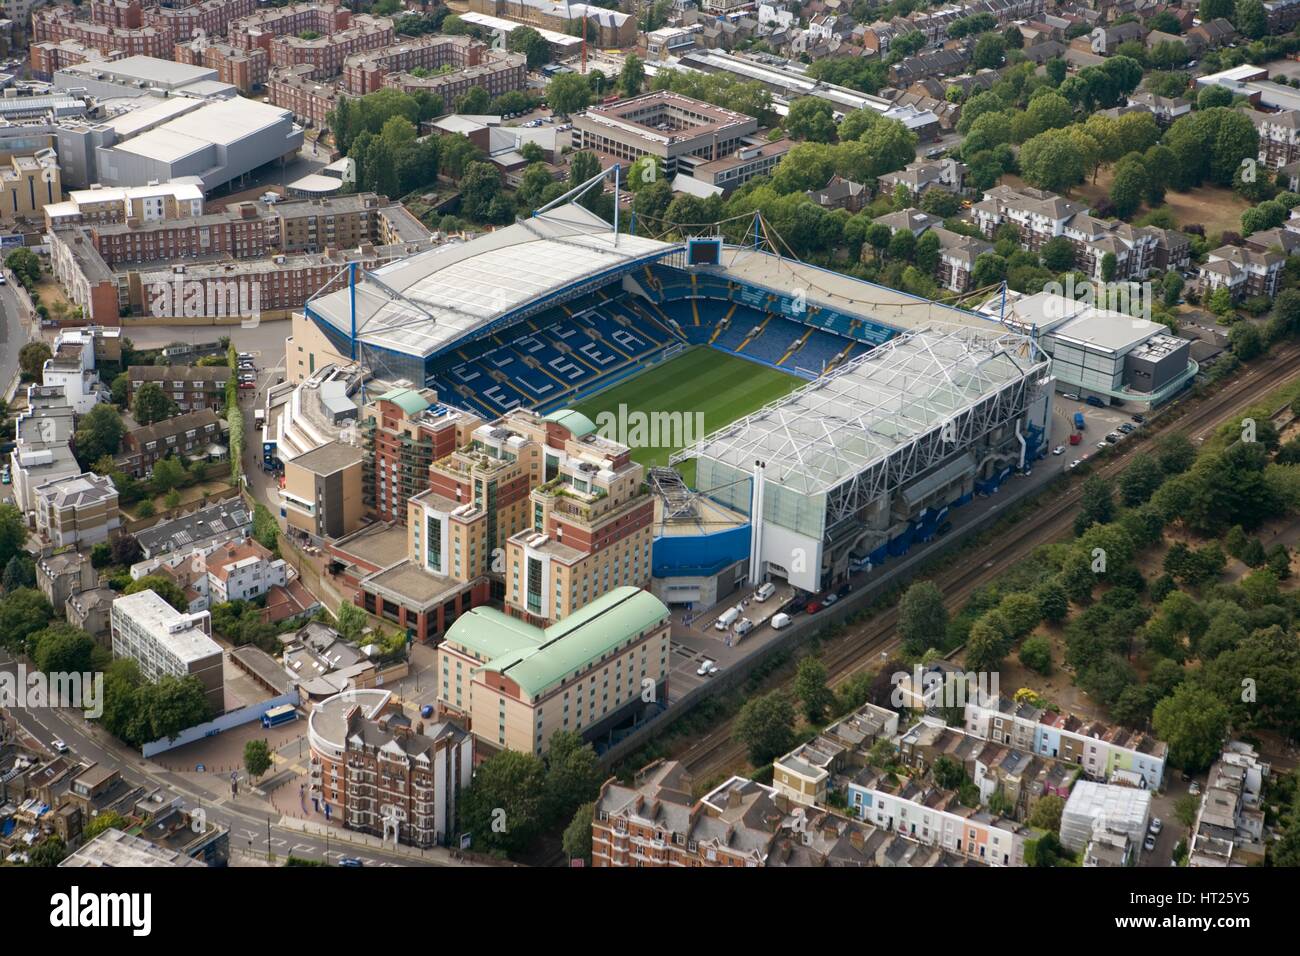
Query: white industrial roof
(423, 303)
(1108, 331)
(839, 425)
(155, 113)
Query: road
(13, 334)
(253, 831)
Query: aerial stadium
(842, 420)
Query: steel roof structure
(883, 419)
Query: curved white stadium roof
(421, 304)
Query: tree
(61, 648)
(1052, 160)
(502, 808)
(922, 618)
(1140, 480)
(1021, 611)
(168, 473)
(928, 249)
(576, 841)
(99, 433)
(1216, 10)
(479, 187)
(32, 358)
(1036, 654)
(22, 613)
(104, 820)
(1095, 505)
(812, 119)
(25, 265)
(165, 588)
(632, 75)
(765, 725)
(573, 775)
(13, 533)
(257, 757)
(530, 43)
(810, 687)
(1244, 339)
(152, 404)
(351, 621)
(990, 52)
(1046, 812)
(1176, 453)
(1193, 722)
(50, 852)
(1250, 19)
(1053, 601)
(568, 93)
(1129, 186)
(265, 529)
(987, 643)
(1057, 254)
(20, 572)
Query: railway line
(855, 650)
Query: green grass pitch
(721, 386)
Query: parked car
(765, 591)
(830, 599)
(1070, 396)
(1113, 438)
(1074, 464)
(1095, 402)
(813, 607)
(1140, 419)
(1156, 825)
(1126, 429)
(744, 626)
(59, 746)
(1149, 843)
(1194, 788)
(350, 861)
(1058, 450)
(780, 620)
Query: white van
(727, 619)
(744, 627)
(779, 621)
(765, 591)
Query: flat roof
(148, 68)
(219, 123)
(421, 304)
(329, 458)
(1108, 331)
(117, 848)
(155, 615)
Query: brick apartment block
(246, 70)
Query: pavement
(13, 335)
(256, 827)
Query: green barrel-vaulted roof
(576, 422)
(408, 399)
(538, 659)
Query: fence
(227, 721)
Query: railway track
(855, 650)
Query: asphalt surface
(12, 334)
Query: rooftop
(423, 304)
(117, 848)
(221, 518)
(537, 658)
(153, 614)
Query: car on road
(813, 607)
(426, 711)
(1095, 402)
(780, 620)
(1074, 464)
(830, 599)
(350, 861)
(1058, 450)
(1149, 843)
(1070, 396)
(1075, 438)
(1156, 825)
(3, 280)
(4, 475)
(1113, 437)
(1126, 429)
(935, 153)
(59, 746)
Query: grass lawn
(721, 386)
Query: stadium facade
(908, 408)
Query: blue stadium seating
(605, 336)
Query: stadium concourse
(874, 411)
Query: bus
(279, 715)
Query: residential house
(191, 435)
(840, 193)
(1244, 272)
(919, 177)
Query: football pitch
(659, 406)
